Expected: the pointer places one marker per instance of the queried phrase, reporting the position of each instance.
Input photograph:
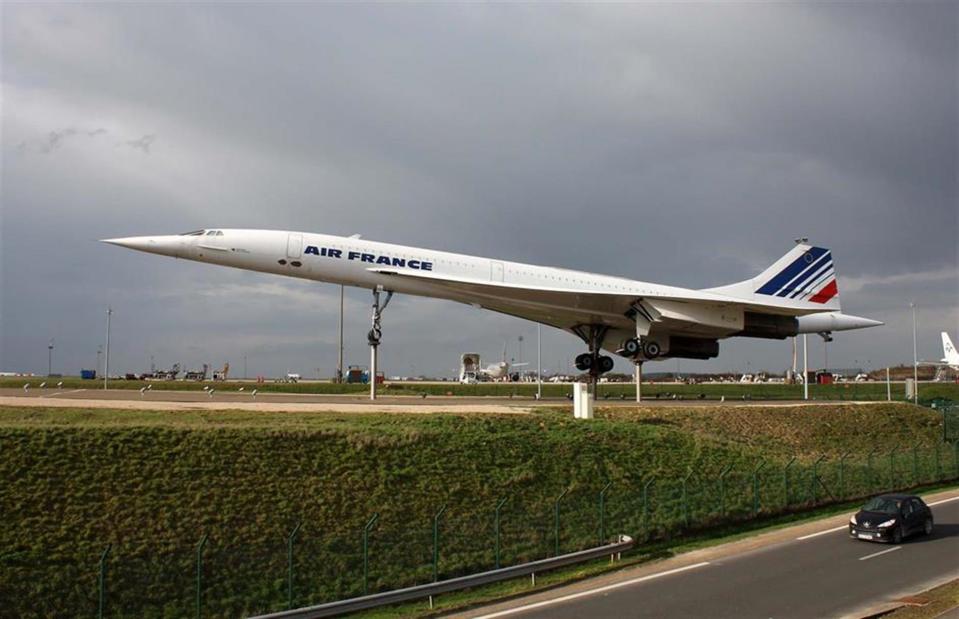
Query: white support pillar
(639, 381)
(582, 403)
(539, 361)
(805, 368)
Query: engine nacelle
(692, 348)
(768, 326)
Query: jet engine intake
(692, 348)
(768, 326)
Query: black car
(890, 518)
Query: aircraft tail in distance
(949, 353)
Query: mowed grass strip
(761, 391)
(151, 483)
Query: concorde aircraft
(635, 319)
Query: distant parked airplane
(635, 319)
(950, 357)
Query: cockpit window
(194, 233)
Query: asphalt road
(161, 395)
(823, 574)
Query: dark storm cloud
(680, 144)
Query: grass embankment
(930, 604)
(761, 391)
(151, 483)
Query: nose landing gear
(376, 333)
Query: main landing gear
(592, 361)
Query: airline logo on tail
(949, 351)
(811, 277)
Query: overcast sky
(685, 145)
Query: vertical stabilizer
(805, 275)
(949, 353)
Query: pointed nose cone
(834, 321)
(163, 245)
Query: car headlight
(853, 520)
(887, 523)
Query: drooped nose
(164, 245)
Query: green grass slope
(151, 483)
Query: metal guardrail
(453, 584)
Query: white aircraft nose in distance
(642, 321)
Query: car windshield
(883, 505)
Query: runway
(813, 570)
(245, 400)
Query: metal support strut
(376, 333)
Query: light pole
(339, 361)
(106, 360)
(915, 358)
(50, 358)
(520, 350)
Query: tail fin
(804, 277)
(949, 354)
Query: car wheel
(897, 535)
(927, 527)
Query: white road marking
(881, 552)
(573, 596)
(846, 526)
(955, 498)
(812, 535)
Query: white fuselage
(559, 297)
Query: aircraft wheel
(631, 347)
(651, 350)
(605, 364)
(584, 362)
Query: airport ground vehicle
(891, 518)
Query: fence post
(101, 580)
(762, 463)
(892, 468)
(602, 513)
(646, 507)
(366, 550)
(815, 477)
(842, 475)
(915, 465)
(436, 542)
(499, 506)
(289, 564)
(556, 522)
(199, 573)
(938, 464)
(686, 501)
(722, 490)
(786, 479)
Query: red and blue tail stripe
(810, 277)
